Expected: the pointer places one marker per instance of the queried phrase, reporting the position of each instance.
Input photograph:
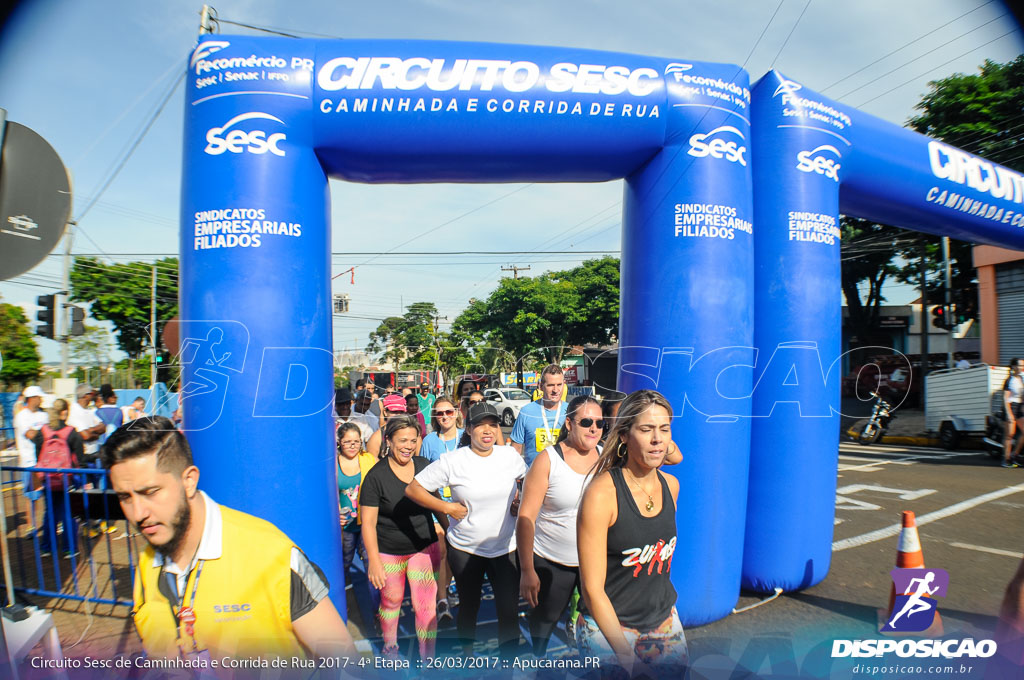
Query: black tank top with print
(639, 558)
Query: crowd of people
(431, 498)
(59, 433)
(549, 516)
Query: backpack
(55, 453)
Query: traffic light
(940, 317)
(46, 316)
(77, 320)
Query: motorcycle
(881, 415)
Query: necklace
(650, 499)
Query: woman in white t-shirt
(481, 536)
(546, 528)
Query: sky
(89, 75)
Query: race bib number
(546, 436)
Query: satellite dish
(35, 200)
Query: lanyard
(186, 615)
(544, 414)
(454, 440)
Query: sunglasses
(587, 422)
(446, 412)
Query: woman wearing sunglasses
(353, 464)
(445, 432)
(443, 440)
(481, 537)
(628, 613)
(546, 528)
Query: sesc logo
(813, 161)
(677, 69)
(718, 147)
(221, 139)
(786, 87)
(206, 49)
(231, 608)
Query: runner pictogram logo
(914, 607)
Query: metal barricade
(82, 548)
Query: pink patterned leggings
(421, 570)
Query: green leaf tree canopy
(540, 317)
(982, 113)
(409, 338)
(120, 293)
(21, 362)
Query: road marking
(897, 459)
(954, 509)
(991, 551)
(893, 450)
(902, 494)
(858, 459)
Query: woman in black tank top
(626, 540)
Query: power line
(906, 45)
(276, 31)
(763, 31)
(922, 56)
(390, 253)
(945, 63)
(786, 41)
(131, 150)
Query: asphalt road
(968, 511)
(969, 515)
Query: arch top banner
(890, 174)
(424, 111)
(730, 257)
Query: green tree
(596, 317)
(18, 351)
(92, 347)
(979, 113)
(867, 253)
(528, 315)
(120, 293)
(407, 339)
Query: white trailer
(958, 400)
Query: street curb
(901, 439)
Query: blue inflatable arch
(730, 260)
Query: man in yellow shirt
(213, 582)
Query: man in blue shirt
(539, 422)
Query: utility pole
(204, 21)
(65, 295)
(924, 320)
(437, 354)
(515, 270)
(949, 303)
(152, 339)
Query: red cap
(395, 403)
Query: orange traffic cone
(908, 556)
